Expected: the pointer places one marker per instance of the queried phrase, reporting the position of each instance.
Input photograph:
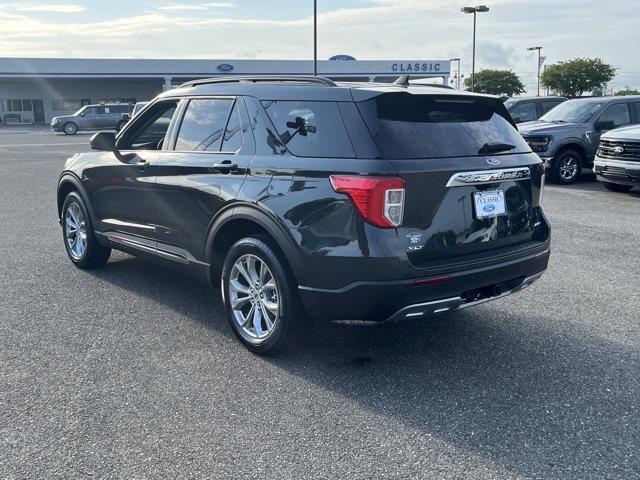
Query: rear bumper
(395, 300)
(617, 171)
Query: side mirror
(300, 125)
(604, 125)
(103, 142)
(83, 114)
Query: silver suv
(106, 116)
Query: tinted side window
(618, 113)
(546, 106)
(232, 141)
(310, 129)
(635, 106)
(267, 140)
(149, 130)
(524, 112)
(91, 111)
(203, 125)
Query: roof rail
(261, 78)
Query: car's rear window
(310, 128)
(427, 126)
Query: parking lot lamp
(475, 11)
(531, 49)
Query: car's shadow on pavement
(503, 382)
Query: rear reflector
(432, 281)
(380, 200)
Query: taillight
(380, 200)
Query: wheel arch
(69, 183)
(239, 221)
(572, 145)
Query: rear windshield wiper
(496, 147)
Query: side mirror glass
(103, 142)
(604, 125)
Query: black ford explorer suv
(310, 200)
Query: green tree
(495, 82)
(628, 91)
(574, 77)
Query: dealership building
(34, 90)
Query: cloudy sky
(366, 29)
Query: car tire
(566, 167)
(78, 235)
(616, 187)
(70, 128)
(260, 297)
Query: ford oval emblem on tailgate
(225, 67)
(494, 161)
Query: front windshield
(573, 111)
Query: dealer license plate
(489, 204)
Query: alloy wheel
(569, 168)
(254, 297)
(75, 231)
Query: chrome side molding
(489, 176)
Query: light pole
(531, 49)
(315, 38)
(474, 10)
(457, 73)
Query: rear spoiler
(438, 95)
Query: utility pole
(315, 38)
(474, 10)
(457, 72)
(539, 49)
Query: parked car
(617, 163)
(567, 137)
(137, 108)
(527, 109)
(108, 116)
(310, 200)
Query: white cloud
(48, 7)
(197, 7)
(181, 7)
(377, 29)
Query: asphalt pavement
(131, 371)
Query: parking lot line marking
(44, 144)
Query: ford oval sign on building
(342, 57)
(225, 67)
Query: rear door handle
(225, 167)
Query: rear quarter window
(310, 128)
(406, 125)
